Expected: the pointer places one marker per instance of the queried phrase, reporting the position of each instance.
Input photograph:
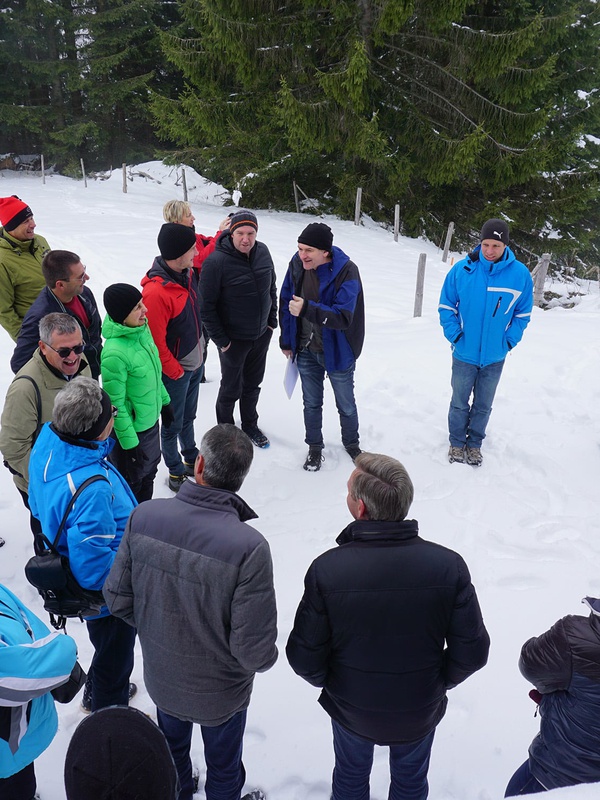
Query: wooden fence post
(539, 278)
(396, 221)
(357, 206)
(43, 170)
(420, 285)
(124, 178)
(449, 233)
(296, 200)
(83, 172)
(184, 182)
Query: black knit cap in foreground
(318, 235)
(120, 299)
(174, 240)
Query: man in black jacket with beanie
(387, 624)
(238, 299)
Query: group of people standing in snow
(388, 623)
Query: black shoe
(2, 542)
(314, 459)
(86, 700)
(175, 482)
(353, 451)
(189, 468)
(256, 436)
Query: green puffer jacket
(21, 278)
(132, 377)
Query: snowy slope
(527, 522)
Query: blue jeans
(523, 782)
(467, 423)
(409, 764)
(311, 367)
(112, 663)
(225, 773)
(184, 397)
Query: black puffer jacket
(238, 296)
(387, 624)
(564, 666)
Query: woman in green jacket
(132, 378)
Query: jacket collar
(160, 269)
(217, 499)
(376, 530)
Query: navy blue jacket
(48, 303)
(564, 666)
(388, 622)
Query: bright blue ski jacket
(91, 537)
(340, 310)
(33, 661)
(485, 306)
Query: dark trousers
(112, 663)
(34, 523)
(140, 477)
(523, 782)
(409, 764)
(242, 371)
(20, 786)
(225, 773)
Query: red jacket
(205, 246)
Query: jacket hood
(8, 242)
(217, 499)
(113, 330)
(67, 456)
(160, 271)
(372, 530)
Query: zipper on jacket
(497, 306)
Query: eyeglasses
(65, 352)
(114, 411)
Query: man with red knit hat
(21, 253)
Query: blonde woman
(180, 212)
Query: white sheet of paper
(290, 377)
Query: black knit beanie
(495, 229)
(318, 235)
(120, 299)
(119, 753)
(243, 218)
(174, 240)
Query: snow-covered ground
(527, 522)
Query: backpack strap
(38, 399)
(84, 485)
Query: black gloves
(167, 415)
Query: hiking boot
(255, 794)
(474, 457)
(176, 481)
(313, 459)
(256, 436)
(189, 468)
(353, 451)
(456, 454)
(86, 700)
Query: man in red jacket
(170, 293)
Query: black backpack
(50, 573)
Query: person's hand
(296, 306)
(225, 349)
(287, 353)
(167, 415)
(225, 224)
(135, 458)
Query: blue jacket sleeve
(338, 315)
(448, 309)
(287, 338)
(309, 644)
(522, 312)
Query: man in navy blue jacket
(66, 293)
(485, 306)
(322, 318)
(387, 624)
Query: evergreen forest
(455, 110)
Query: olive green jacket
(20, 419)
(21, 278)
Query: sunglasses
(65, 352)
(114, 411)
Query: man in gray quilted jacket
(197, 582)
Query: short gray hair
(173, 210)
(228, 454)
(77, 406)
(62, 324)
(384, 486)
